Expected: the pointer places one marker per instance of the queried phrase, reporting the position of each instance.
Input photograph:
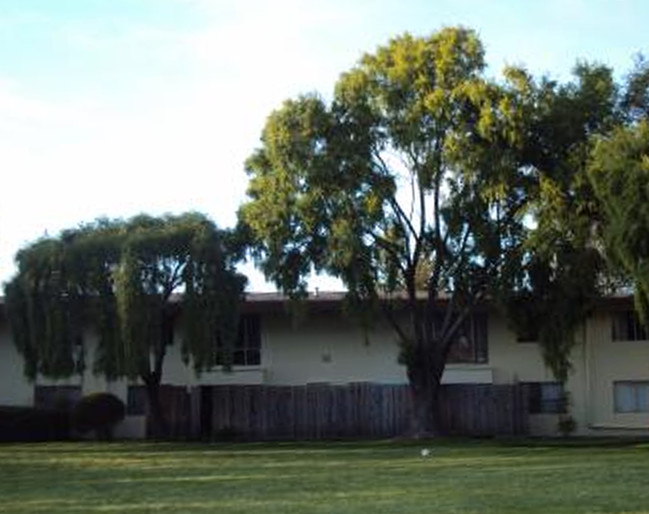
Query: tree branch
(389, 247)
(439, 259)
(398, 210)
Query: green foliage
(619, 174)
(562, 268)
(48, 345)
(120, 276)
(99, 412)
(619, 171)
(635, 98)
(323, 193)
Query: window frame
(475, 329)
(246, 351)
(635, 387)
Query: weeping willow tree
(123, 279)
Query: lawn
(368, 477)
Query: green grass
(372, 477)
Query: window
(470, 343)
(56, 397)
(136, 400)
(247, 348)
(546, 397)
(631, 396)
(626, 327)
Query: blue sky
(115, 107)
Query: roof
(327, 300)
(279, 302)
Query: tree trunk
(425, 418)
(157, 426)
(425, 376)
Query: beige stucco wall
(328, 348)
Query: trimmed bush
(99, 412)
(25, 424)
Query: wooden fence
(181, 412)
(361, 410)
(311, 412)
(484, 410)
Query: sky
(110, 108)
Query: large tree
(120, 277)
(407, 185)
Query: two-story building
(608, 387)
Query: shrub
(99, 412)
(24, 424)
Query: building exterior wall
(608, 361)
(326, 347)
(14, 388)
(597, 362)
